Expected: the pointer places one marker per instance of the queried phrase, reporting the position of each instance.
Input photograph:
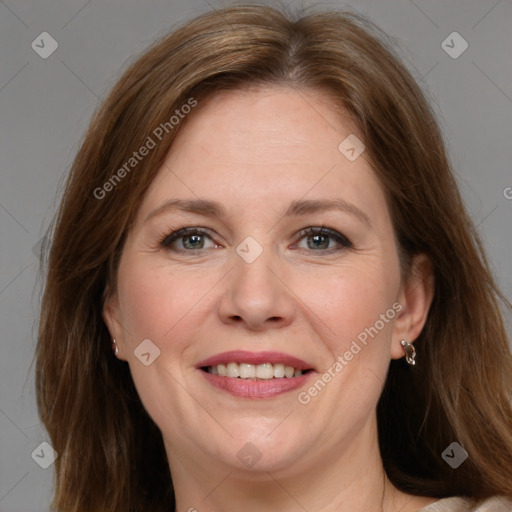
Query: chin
(260, 449)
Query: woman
(264, 291)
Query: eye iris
(197, 241)
(320, 242)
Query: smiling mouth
(255, 375)
(247, 371)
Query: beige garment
(495, 504)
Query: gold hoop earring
(410, 352)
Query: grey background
(46, 105)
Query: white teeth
(247, 371)
(279, 371)
(265, 371)
(233, 370)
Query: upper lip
(244, 356)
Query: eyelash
(169, 238)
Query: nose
(257, 296)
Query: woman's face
(254, 287)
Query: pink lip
(243, 356)
(247, 388)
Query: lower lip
(256, 389)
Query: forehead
(264, 126)
(262, 147)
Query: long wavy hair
(111, 454)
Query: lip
(244, 356)
(256, 389)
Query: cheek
(360, 311)
(160, 306)
(357, 317)
(354, 304)
(156, 301)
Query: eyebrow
(297, 208)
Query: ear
(111, 318)
(415, 296)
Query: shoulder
(494, 504)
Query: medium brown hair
(111, 454)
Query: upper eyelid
(322, 230)
(302, 232)
(179, 233)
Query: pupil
(320, 238)
(196, 239)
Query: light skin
(256, 152)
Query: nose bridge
(261, 277)
(255, 293)
(254, 280)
